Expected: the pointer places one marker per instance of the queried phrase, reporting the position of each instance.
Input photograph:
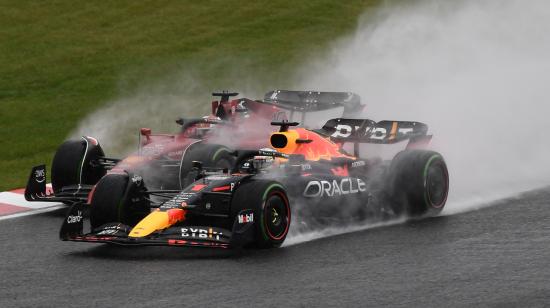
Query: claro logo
(73, 219)
(345, 186)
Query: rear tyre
(116, 198)
(211, 156)
(72, 163)
(419, 182)
(269, 202)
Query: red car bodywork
(239, 129)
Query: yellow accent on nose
(156, 220)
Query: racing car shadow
(108, 251)
(159, 253)
(156, 253)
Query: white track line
(34, 212)
(17, 199)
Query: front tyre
(269, 202)
(419, 182)
(118, 198)
(72, 163)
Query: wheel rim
(276, 216)
(437, 184)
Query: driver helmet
(240, 110)
(205, 124)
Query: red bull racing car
(305, 173)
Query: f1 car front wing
(241, 234)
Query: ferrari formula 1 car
(305, 173)
(164, 160)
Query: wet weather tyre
(211, 156)
(271, 207)
(419, 180)
(113, 199)
(71, 164)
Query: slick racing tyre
(118, 198)
(72, 163)
(211, 156)
(419, 181)
(271, 208)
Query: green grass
(60, 60)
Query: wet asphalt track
(498, 256)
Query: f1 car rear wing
(368, 131)
(304, 101)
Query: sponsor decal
(137, 179)
(332, 188)
(377, 133)
(185, 196)
(40, 175)
(177, 153)
(306, 167)
(108, 232)
(343, 131)
(72, 219)
(217, 177)
(245, 218)
(111, 230)
(200, 233)
(179, 200)
(358, 163)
